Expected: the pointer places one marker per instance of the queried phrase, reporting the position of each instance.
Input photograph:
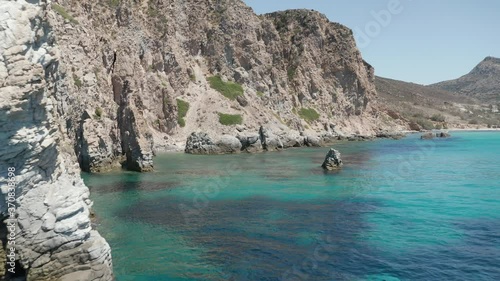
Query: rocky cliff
(141, 76)
(50, 206)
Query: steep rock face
(134, 60)
(53, 232)
(483, 82)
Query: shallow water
(398, 210)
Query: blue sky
(423, 41)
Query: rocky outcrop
(136, 141)
(443, 135)
(245, 141)
(228, 144)
(250, 142)
(200, 143)
(332, 160)
(97, 151)
(53, 233)
(390, 135)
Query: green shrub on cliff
(77, 81)
(308, 114)
(425, 124)
(98, 113)
(228, 89)
(62, 12)
(182, 109)
(230, 119)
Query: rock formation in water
(332, 160)
(427, 136)
(54, 239)
(443, 135)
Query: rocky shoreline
(267, 140)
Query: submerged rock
(332, 160)
(442, 135)
(427, 136)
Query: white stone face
(53, 232)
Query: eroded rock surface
(54, 236)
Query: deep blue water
(398, 210)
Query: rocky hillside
(141, 76)
(483, 82)
(424, 107)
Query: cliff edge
(50, 204)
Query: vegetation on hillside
(77, 81)
(182, 109)
(62, 12)
(230, 119)
(98, 113)
(308, 114)
(228, 89)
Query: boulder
(332, 160)
(228, 145)
(443, 135)
(292, 139)
(329, 138)
(200, 143)
(242, 101)
(427, 136)
(312, 141)
(270, 141)
(250, 142)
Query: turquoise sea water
(398, 210)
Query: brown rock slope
(424, 107)
(130, 65)
(483, 82)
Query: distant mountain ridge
(483, 82)
(466, 102)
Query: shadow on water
(262, 239)
(123, 186)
